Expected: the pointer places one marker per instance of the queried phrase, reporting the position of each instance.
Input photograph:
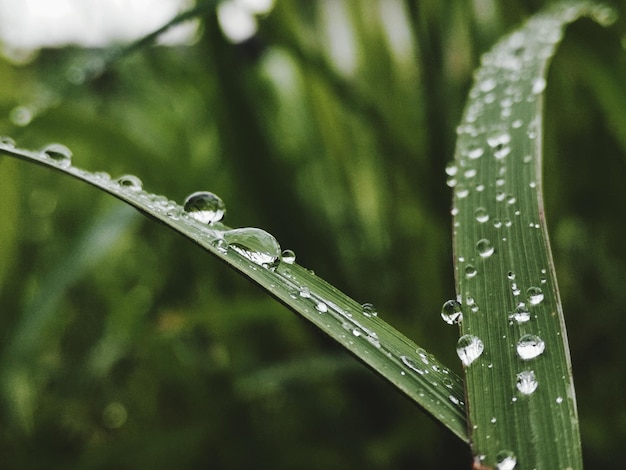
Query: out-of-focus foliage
(124, 346)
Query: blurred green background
(125, 346)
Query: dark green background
(123, 345)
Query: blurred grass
(360, 149)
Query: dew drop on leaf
(7, 142)
(470, 271)
(369, 310)
(534, 295)
(530, 346)
(485, 248)
(505, 460)
(520, 314)
(539, 84)
(205, 207)
(481, 215)
(130, 182)
(469, 348)
(526, 382)
(288, 256)
(254, 244)
(451, 312)
(59, 154)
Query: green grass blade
(520, 410)
(409, 368)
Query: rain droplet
(321, 307)
(539, 84)
(481, 215)
(530, 346)
(469, 348)
(205, 207)
(305, 292)
(288, 256)
(505, 460)
(369, 310)
(474, 152)
(526, 382)
(485, 248)
(559, 400)
(411, 364)
(510, 275)
(7, 142)
(451, 169)
(498, 138)
(534, 295)
(470, 271)
(130, 182)
(59, 154)
(520, 314)
(451, 312)
(254, 244)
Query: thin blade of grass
(410, 369)
(519, 386)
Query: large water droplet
(205, 207)
(534, 295)
(485, 248)
(530, 346)
(469, 348)
(481, 215)
(506, 460)
(526, 382)
(130, 182)
(59, 154)
(255, 244)
(451, 312)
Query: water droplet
(369, 310)
(7, 141)
(451, 169)
(559, 400)
(530, 346)
(205, 207)
(520, 314)
(539, 84)
(305, 292)
(462, 193)
(498, 138)
(59, 154)
(411, 364)
(493, 420)
(481, 215)
(534, 295)
(485, 248)
(511, 199)
(321, 307)
(130, 182)
(526, 382)
(288, 256)
(469, 348)
(255, 244)
(497, 223)
(474, 152)
(510, 275)
(470, 271)
(505, 460)
(451, 312)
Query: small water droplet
(451, 169)
(305, 292)
(369, 310)
(493, 420)
(254, 244)
(411, 364)
(288, 256)
(451, 312)
(534, 295)
(517, 124)
(497, 223)
(321, 307)
(485, 248)
(7, 142)
(498, 138)
(462, 193)
(469, 348)
(510, 275)
(559, 400)
(481, 215)
(539, 84)
(511, 199)
(205, 207)
(470, 271)
(530, 346)
(130, 182)
(526, 382)
(59, 154)
(505, 460)
(520, 314)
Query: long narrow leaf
(257, 255)
(519, 386)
